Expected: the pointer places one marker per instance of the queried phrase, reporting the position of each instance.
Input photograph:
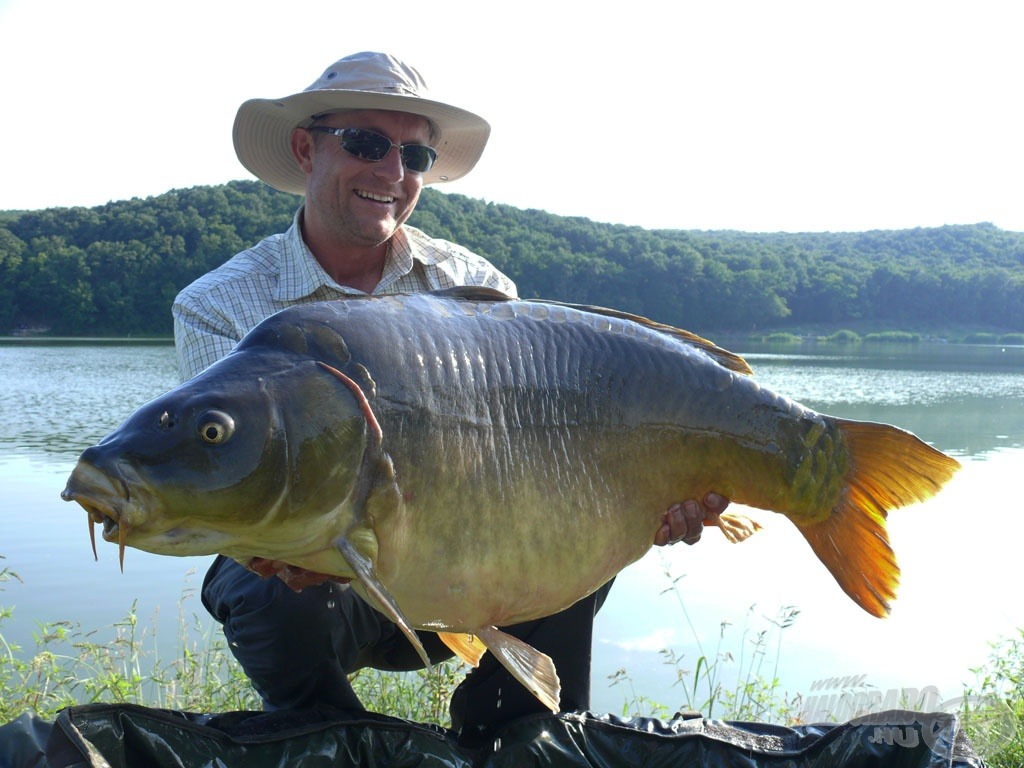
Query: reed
(736, 679)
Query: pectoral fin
(469, 648)
(533, 669)
(383, 601)
(735, 527)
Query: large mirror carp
(470, 461)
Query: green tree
(11, 250)
(115, 268)
(56, 290)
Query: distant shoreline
(833, 336)
(43, 340)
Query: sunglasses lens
(365, 145)
(417, 157)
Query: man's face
(353, 201)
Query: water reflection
(972, 409)
(933, 355)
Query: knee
(230, 590)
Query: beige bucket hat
(263, 127)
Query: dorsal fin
(723, 357)
(473, 293)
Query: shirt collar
(399, 260)
(302, 275)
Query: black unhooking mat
(126, 736)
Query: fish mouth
(105, 499)
(112, 528)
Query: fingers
(693, 523)
(715, 504)
(664, 534)
(295, 577)
(685, 521)
(682, 522)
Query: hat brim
(263, 129)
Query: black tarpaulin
(127, 736)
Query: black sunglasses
(368, 145)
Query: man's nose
(390, 166)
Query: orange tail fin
(889, 468)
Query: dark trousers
(298, 648)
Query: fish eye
(215, 427)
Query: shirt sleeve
(200, 338)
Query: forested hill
(114, 269)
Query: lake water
(959, 552)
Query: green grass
(844, 336)
(993, 710)
(781, 337)
(822, 333)
(981, 338)
(70, 666)
(422, 696)
(735, 679)
(893, 337)
(1010, 339)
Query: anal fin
(533, 669)
(469, 648)
(384, 602)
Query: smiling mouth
(374, 197)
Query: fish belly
(530, 488)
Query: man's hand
(685, 521)
(296, 578)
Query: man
(360, 143)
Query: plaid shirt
(212, 314)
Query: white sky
(756, 115)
